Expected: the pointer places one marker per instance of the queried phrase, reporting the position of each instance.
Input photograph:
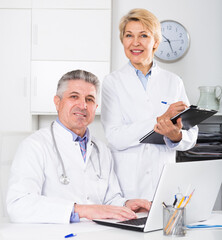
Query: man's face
(76, 109)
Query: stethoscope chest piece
(64, 179)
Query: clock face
(175, 42)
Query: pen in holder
(174, 221)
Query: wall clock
(175, 42)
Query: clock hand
(166, 38)
(169, 43)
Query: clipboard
(190, 117)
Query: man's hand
(138, 205)
(104, 211)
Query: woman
(132, 105)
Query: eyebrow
(139, 32)
(91, 96)
(79, 94)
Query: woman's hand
(165, 126)
(172, 111)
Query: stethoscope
(64, 179)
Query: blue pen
(165, 102)
(203, 226)
(70, 235)
(175, 201)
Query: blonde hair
(148, 19)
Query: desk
(92, 231)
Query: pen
(70, 235)
(181, 201)
(189, 198)
(164, 102)
(175, 201)
(164, 204)
(203, 226)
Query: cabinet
(15, 3)
(45, 76)
(15, 28)
(64, 40)
(80, 35)
(40, 41)
(77, 4)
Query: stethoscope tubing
(64, 179)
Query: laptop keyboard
(135, 222)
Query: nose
(136, 41)
(82, 103)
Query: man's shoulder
(38, 136)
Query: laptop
(204, 177)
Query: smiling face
(76, 109)
(139, 45)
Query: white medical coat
(35, 194)
(128, 113)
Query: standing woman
(131, 107)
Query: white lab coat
(129, 112)
(35, 194)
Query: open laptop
(203, 176)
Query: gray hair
(76, 75)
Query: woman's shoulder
(161, 71)
(118, 74)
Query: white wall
(202, 18)
(202, 65)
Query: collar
(75, 136)
(138, 71)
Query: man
(61, 174)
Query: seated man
(61, 173)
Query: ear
(155, 46)
(57, 102)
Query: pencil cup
(174, 221)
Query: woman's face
(138, 44)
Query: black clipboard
(190, 117)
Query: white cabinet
(87, 4)
(45, 76)
(64, 40)
(15, 3)
(40, 41)
(15, 46)
(81, 35)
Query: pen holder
(174, 221)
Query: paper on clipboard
(190, 117)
